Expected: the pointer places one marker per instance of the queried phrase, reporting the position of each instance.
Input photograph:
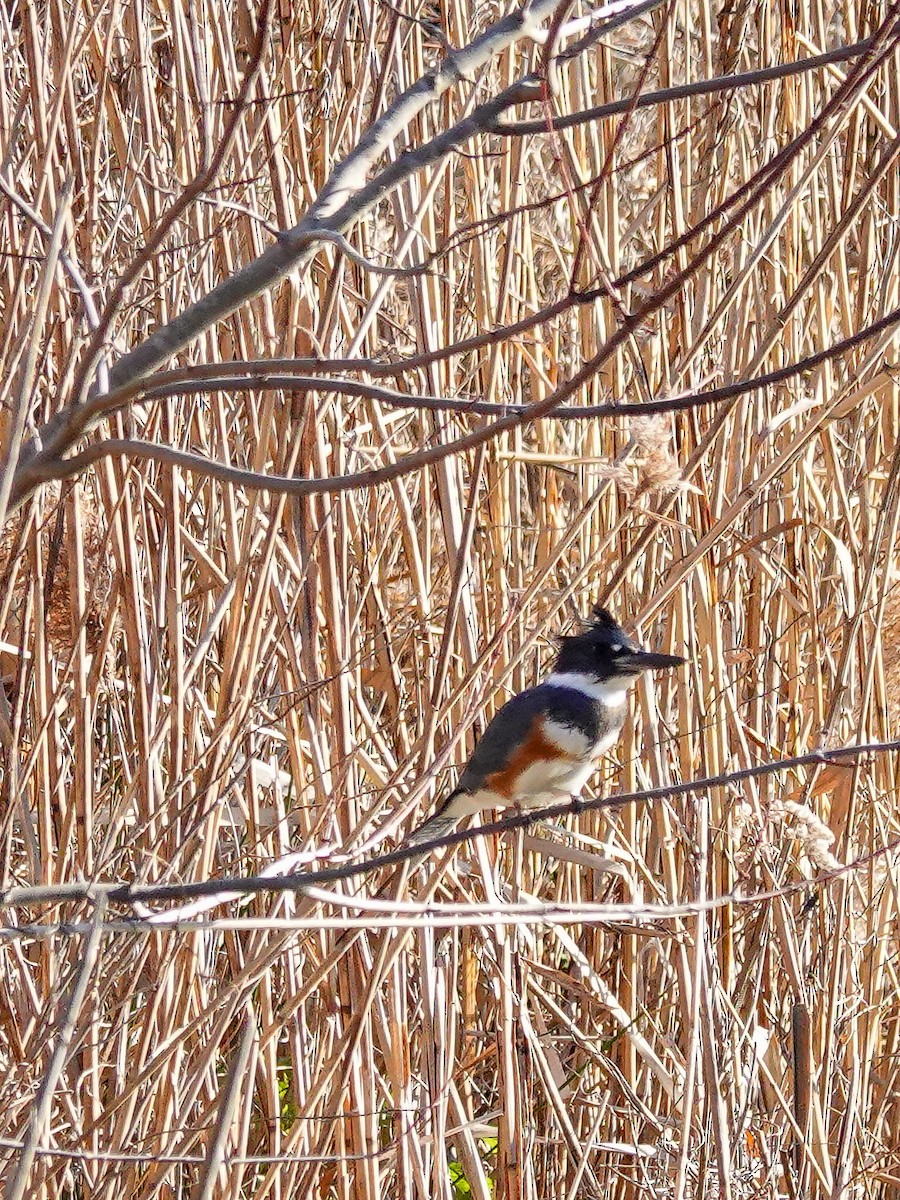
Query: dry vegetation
(201, 677)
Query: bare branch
(289, 374)
(18, 897)
(22, 401)
(682, 91)
(189, 196)
(345, 197)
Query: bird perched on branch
(545, 743)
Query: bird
(544, 744)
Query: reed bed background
(200, 677)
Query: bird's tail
(455, 807)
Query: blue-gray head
(605, 651)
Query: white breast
(569, 741)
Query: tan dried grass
(216, 678)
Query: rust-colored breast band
(536, 748)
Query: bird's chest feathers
(570, 755)
(576, 743)
(568, 759)
(588, 738)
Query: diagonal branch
(269, 882)
(344, 199)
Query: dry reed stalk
(200, 678)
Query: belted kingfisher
(545, 743)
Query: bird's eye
(616, 649)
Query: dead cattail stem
(206, 682)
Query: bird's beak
(646, 660)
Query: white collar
(611, 692)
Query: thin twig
(16, 897)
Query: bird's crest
(600, 628)
(602, 616)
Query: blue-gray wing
(518, 727)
